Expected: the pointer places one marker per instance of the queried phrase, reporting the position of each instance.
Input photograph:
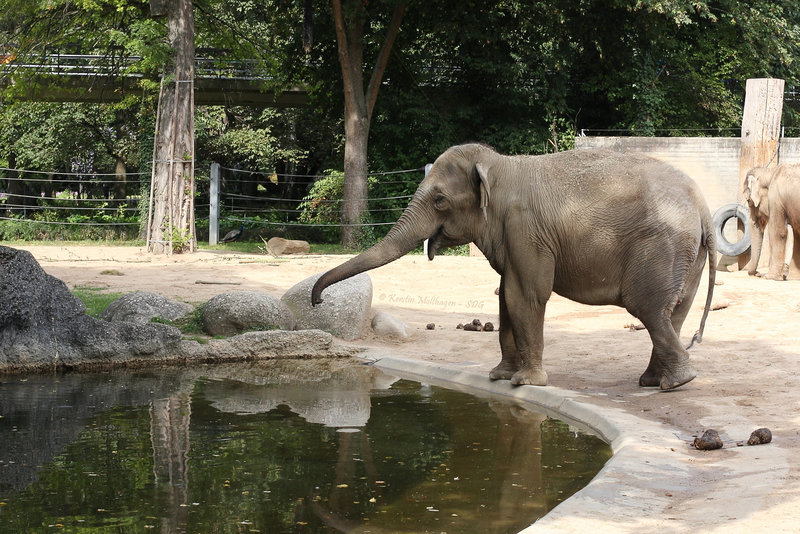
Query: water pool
(288, 446)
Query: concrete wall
(713, 162)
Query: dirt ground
(747, 364)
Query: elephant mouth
(434, 243)
(440, 240)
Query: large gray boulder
(44, 327)
(240, 311)
(345, 311)
(142, 306)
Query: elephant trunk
(415, 225)
(756, 241)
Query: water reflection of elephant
(518, 450)
(503, 485)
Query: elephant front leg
(525, 306)
(509, 363)
(778, 233)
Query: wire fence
(39, 205)
(309, 207)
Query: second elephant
(774, 198)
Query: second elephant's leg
(509, 364)
(777, 240)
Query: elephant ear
(750, 182)
(484, 176)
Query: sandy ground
(747, 364)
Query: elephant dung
(760, 436)
(709, 441)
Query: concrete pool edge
(633, 491)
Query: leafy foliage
(524, 77)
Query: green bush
(38, 230)
(322, 205)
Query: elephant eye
(440, 202)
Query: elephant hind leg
(669, 365)
(685, 300)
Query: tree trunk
(354, 193)
(171, 218)
(358, 105)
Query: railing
(104, 65)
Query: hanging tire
(722, 216)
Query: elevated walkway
(108, 79)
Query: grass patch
(190, 324)
(94, 299)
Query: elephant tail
(711, 249)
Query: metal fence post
(213, 212)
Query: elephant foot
(530, 377)
(503, 371)
(672, 380)
(650, 379)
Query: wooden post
(213, 211)
(761, 129)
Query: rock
(142, 306)
(267, 345)
(476, 322)
(430, 326)
(488, 327)
(240, 311)
(709, 441)
(44, 327)
(280, 246)
(472, 327)
(385, 325)
(760, 436)
(344, 311)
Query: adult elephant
(773, 195)
(593, 226)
